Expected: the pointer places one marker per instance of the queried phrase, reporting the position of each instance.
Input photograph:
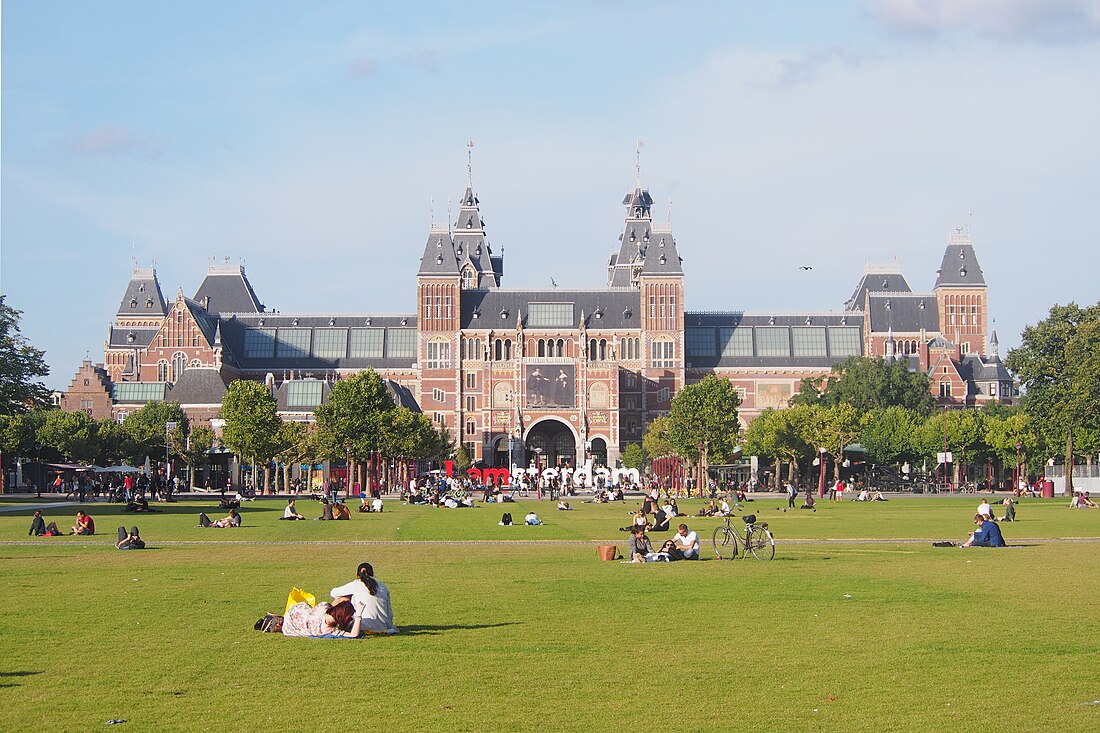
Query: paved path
(32, 507)
(107, 542)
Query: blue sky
(308, 139)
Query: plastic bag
(297, 595)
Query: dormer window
(133, 302)
(469, 278)
(662, 242)
(627, 313)
(631, 235)
(130, 337)
(921, 306)
(885, 284)
(637, 212)
(470, 223)
(439, 259)
(149, 303)
(503, 314)
(889, 305)
(141, 288)
(962, 272)
(662, 260)
(477, 313)
(439, 243)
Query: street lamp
(38, 484)
(168, 428)
(538, 473)
(820, 473)
(347, 469)
(699, 484)
(1016, 486)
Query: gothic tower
(962, 296)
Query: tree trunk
(778, 469)
(1069, 464)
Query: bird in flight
(805, 267)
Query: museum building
(553, 375)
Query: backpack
(506, 520)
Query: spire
(638, 144)
(994, 342)
(470, 163)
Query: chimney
(206, 302)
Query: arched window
(439, 354)
(196, 363)
(592, 350)
(162, 370)
(542, 348)
(498, 350)
(469, 278)
(561, 348)
(603, 349)
(508, 349)
(179, 363)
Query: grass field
(504, 636)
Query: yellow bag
(297, 595)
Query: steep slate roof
(198, 386)
(735, 319)
(878, 278)
(402, 395)
(603, 309)
(144, 291)
(989, 369)
(637, 232)
(229, 291)
(471, 246)
(659, 256)
(121, 337)
(233, 329)
(439, 253)
(960, 265)
(206, 323)
(903, 312)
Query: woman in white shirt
(371, 600)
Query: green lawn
(543, 637)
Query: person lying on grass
(139, 504)
(84, 524)
(371, 600)
(233, 520)
(323, 621)
(988, 534)
(129, 540)
(532, 519)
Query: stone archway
(599, 452)
(554, 441)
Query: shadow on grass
(15, 674)
(435, 629)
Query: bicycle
(758, 540)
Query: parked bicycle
(758, 540)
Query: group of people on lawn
(357, 608)
(684, 545)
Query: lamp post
(945, 445)
(538, 473)
(1016, 485)
(347, 470)
(38, 460)
(168, 428)
(820, 473)
(699, 480)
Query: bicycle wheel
(761, 544)
(725, 544)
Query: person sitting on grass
(323, 621)
(38, 524)
(291, 512)
(139, 504)
(84, 525)
(1082, 501)
(669, 552)
(326, 511)
(563, 506)
(340, 511)
(709, 510)
(371, 600)
(988, 534)
(877, 496)
(233, 520)
(809, 503)
(863, 495)
(532, 519)
(687, 542)
(661, 521)
(985, 509)
(723, 508)
(1010, 510)
(639, 547)
(129, 540)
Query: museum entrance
(550, 444)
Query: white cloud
(1046, 21)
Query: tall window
(662, 354)
(439, 354)
(945, 389)
(471, 381)
(162, 370)
(179, 363)
(469, 278)
(471, 403)
(471, 427)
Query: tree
(1004, 432)
(705, 413)
(21, 366)
(148, 432)
(655, 440)
(781, 435)
(194, 449)
(354, 413)
(888, 434)
(462, 459)
(867, 383)
(252, 422)
(115, 444)
(634, 456)
(834, 429)
(73, 435)
(1054, 366)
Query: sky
(315, 142)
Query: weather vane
(470, 162)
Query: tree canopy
(21, 366)
(868, 383)
(704, 413)
(252, 422)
